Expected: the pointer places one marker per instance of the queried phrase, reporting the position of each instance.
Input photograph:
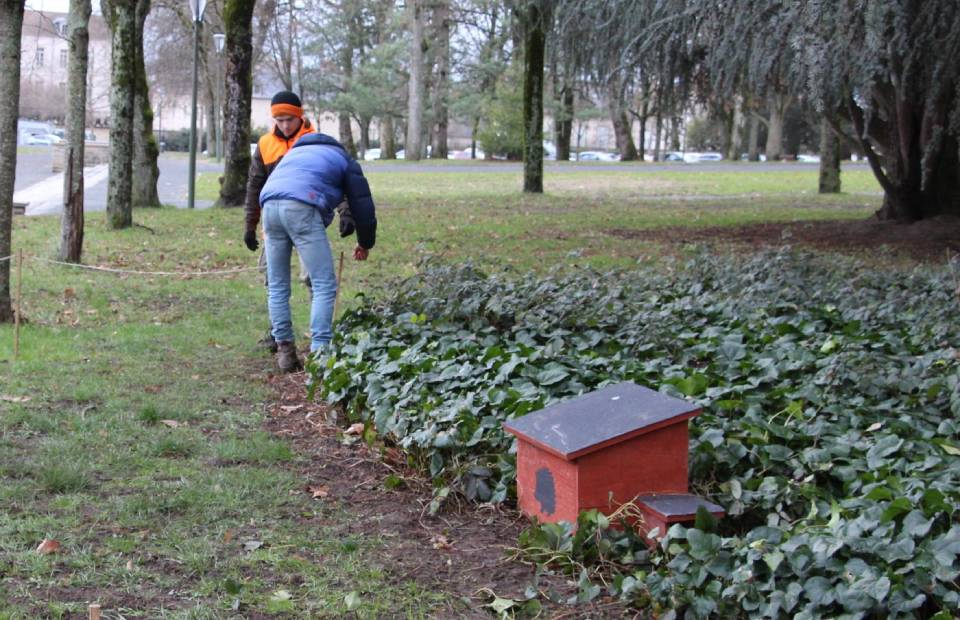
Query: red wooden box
(600, 450)
(660, 511)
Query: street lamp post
(196, 8)
(218, 41)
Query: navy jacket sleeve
(361, 204)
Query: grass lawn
(130, 425)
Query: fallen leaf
(355, 429)
(318, 492)
(228, 535)
(14, 399)
(48, 546)
(291, 408)
(281, 595)
(252, 545)
(129, 564)
(151, 389)
(442, 542)
(68, 294)
(170, 423)
(352, 600)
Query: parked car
(810, 159)
(696, 158)
(371, 154)
(746, 156)
(671, 156)
(39, 139)
(598, 156)
(465, 154)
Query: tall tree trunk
(11, 22)
(621, 124)
(71, 221)
(237, 20)
(343, 117)
(829, 159)
(675, 123)
(563, 124)
(441, 18)
(753, 138)
(535, 18)
(657, 132)
(415, 97)
(732, 151)
(122, 18)
(778, 111)
(388, 146)
(364, 133)
(908, 196)
(146, 172)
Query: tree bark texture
(778, 112)
(121, 16)
(829, 159)
(534, 46)
(441, 115)
(388, 147)
(237, 20)
(753, 138)
(11, 22)
(346, 134)
(621, 124)
(563, 125)
(417, 17)
(71, 220)
(736, 121)
(146, 172)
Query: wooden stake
(94, 611)
(18, 309)
(336, 299)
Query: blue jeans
(288, 224)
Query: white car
(371, 154)
(695, 158)
(598, 156)
(39, 139)
(810, 159)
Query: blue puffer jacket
(319, 172)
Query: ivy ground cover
(829, 433)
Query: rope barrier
(142, 273)
(5, 258)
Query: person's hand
(360, 253)
(250, 239)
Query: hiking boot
(287, 358)
(267, 342)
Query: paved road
(36, 184)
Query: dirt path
(465, 553)
(929, 240)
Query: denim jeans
(288, 224)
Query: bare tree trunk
(121, 15)
(237, 20)
(417, 17)
(829, 159)
(675, 123)
(388, 147)
(71, 221)
(658, 131)
(753, 138)
(736, 121)
(11, 22)
(621, 124)
(563, 124)
(778, 111)
(146, 172)
(535, 17)
(364, 133)
(346, 66)
(210, 123)
(441, 17)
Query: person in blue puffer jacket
(297, 203)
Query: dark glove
(250, 239)
(347, 225)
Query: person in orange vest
(289, 125)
